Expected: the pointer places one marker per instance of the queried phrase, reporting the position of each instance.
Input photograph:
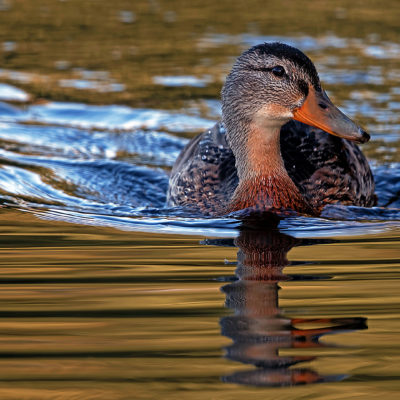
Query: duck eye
(278, 71)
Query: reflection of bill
(258, 328)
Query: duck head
(272, 83)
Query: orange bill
(319, 111)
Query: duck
(281, 145)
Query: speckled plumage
(204, 175)
(325, 168)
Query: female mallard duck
(259, 158)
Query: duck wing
(326, 168)
(204, 175)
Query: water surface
(108, 294)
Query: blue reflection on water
(108, 165)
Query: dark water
(107, 294)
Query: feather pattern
(326, 169)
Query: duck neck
(264, 183)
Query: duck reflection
(258, 327)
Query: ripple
(12, 93)
(183, 80)
(91, 85)
(151, 147)
(113, 117)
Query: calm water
(106, 294)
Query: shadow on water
(259, 328)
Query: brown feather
(325, 170)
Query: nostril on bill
(323, 106)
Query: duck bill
(320, 112)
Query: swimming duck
(282, 144)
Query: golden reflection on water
(96, 313)
(107, 314)
(258, 328)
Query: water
(107, 294)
